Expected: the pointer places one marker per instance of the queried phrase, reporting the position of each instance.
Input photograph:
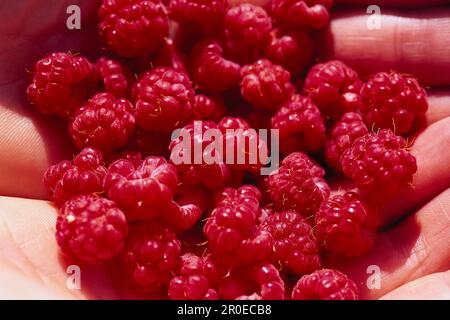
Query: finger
(410, 42)
(415, 248)
(435, 286)
(392, 3)
(27, 244)
(439, 101)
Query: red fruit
(300, 125)
(164, 99)
(266, 85)
(133, 28)
(104, 122)
(169, 56)
(345, 225)
(393, 101)
(61, 82)
(207, 15)
(144, 191)
(295, 246)
(334, 88)
(204, 166)
(195, 279)
(293, 50)
(301, 13)
(259, 282)
(298, 184)
(84, 175)
(246, 32)
(344, 132)
(115, 77)
(208, 107)
(151, 143)
(325, 284)
(232, 234)
(91, 229)
(379, 164)
(150, 256)
(210, 70)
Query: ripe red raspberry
(233, 237)
(83, 176)
(210, 70)
(334, 88)
(266, 85)
(61, 82)
(115, 77)
(133, 27)
(301, 13)
(246, 32)
(243, 148)
(104, 122)
(325, 284)
(393, 101)
(345, 225)
(298, 184)
(203, 167)
(170, 56)
(205, 14)
(300, 125)
(193, 280)
(259, 282)
(379, 164)
(293, 50)
(208, 107)
(164, 99)
(344, 132)
(295, 246)
(143, 191)
(91, 229)
(150, 256)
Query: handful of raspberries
(222, 230)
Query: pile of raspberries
(222, 231)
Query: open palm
(413, 254)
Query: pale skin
(413, 255)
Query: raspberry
(301, 13)
(206, 14)
(266, 85)
(115, 76)
(133, 27)
(293, 50)
(150, 256)
(243, 148)
(393, 101)
(210, 70)
(298, 184)
(232, 234)
(151, 143)
(164, 99)
(246, 32)
(104, 122)
(192, 281)
(379, 164)
(334, 88)
(83, 176)
(295, 245)
(91, 229)
(345, 225)
(170, 57)
(208, 107)
(300, 125)
(61, 82)
(260, 282)
(344, 132)
(325, 284)
(190, 166)
(143, 191)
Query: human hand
(412, 254)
